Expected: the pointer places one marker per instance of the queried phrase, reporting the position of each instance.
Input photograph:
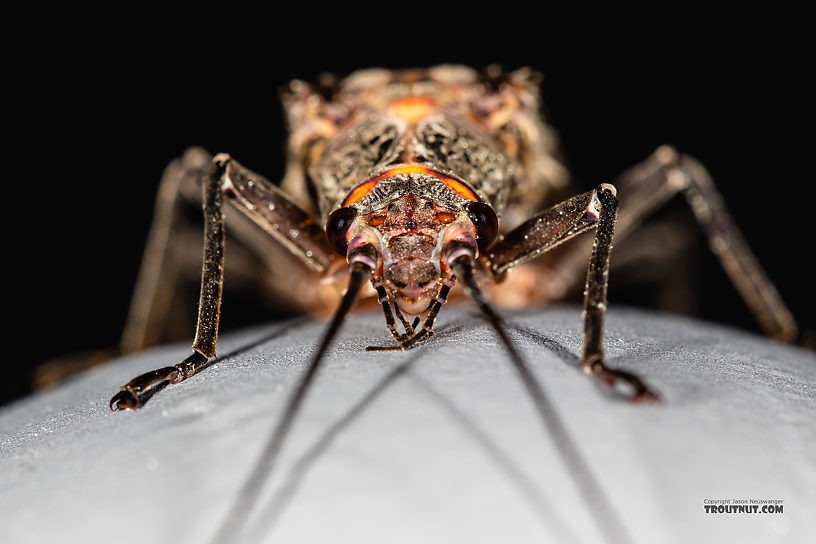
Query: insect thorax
(484, 130)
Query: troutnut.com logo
(743, 506)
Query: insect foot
(138, 391)
(641, 393)
(124, 400)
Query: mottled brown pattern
(486, 129)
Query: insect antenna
(461, 260)
(361, 264)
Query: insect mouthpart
(411, 232)
(411, 235)
(416, 218)
(413, 283)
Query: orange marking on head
(361, 191)
(445, 217)
(412, 108)
(460, 188)
(376, 221)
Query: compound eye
(337, 228)
(486, 223)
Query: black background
(102, 101)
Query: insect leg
(727, 243)
(153, 293)
(269, 209)
(651, 184)
(595, 301)
(594, 209)
(283, 268)
(212, 277)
